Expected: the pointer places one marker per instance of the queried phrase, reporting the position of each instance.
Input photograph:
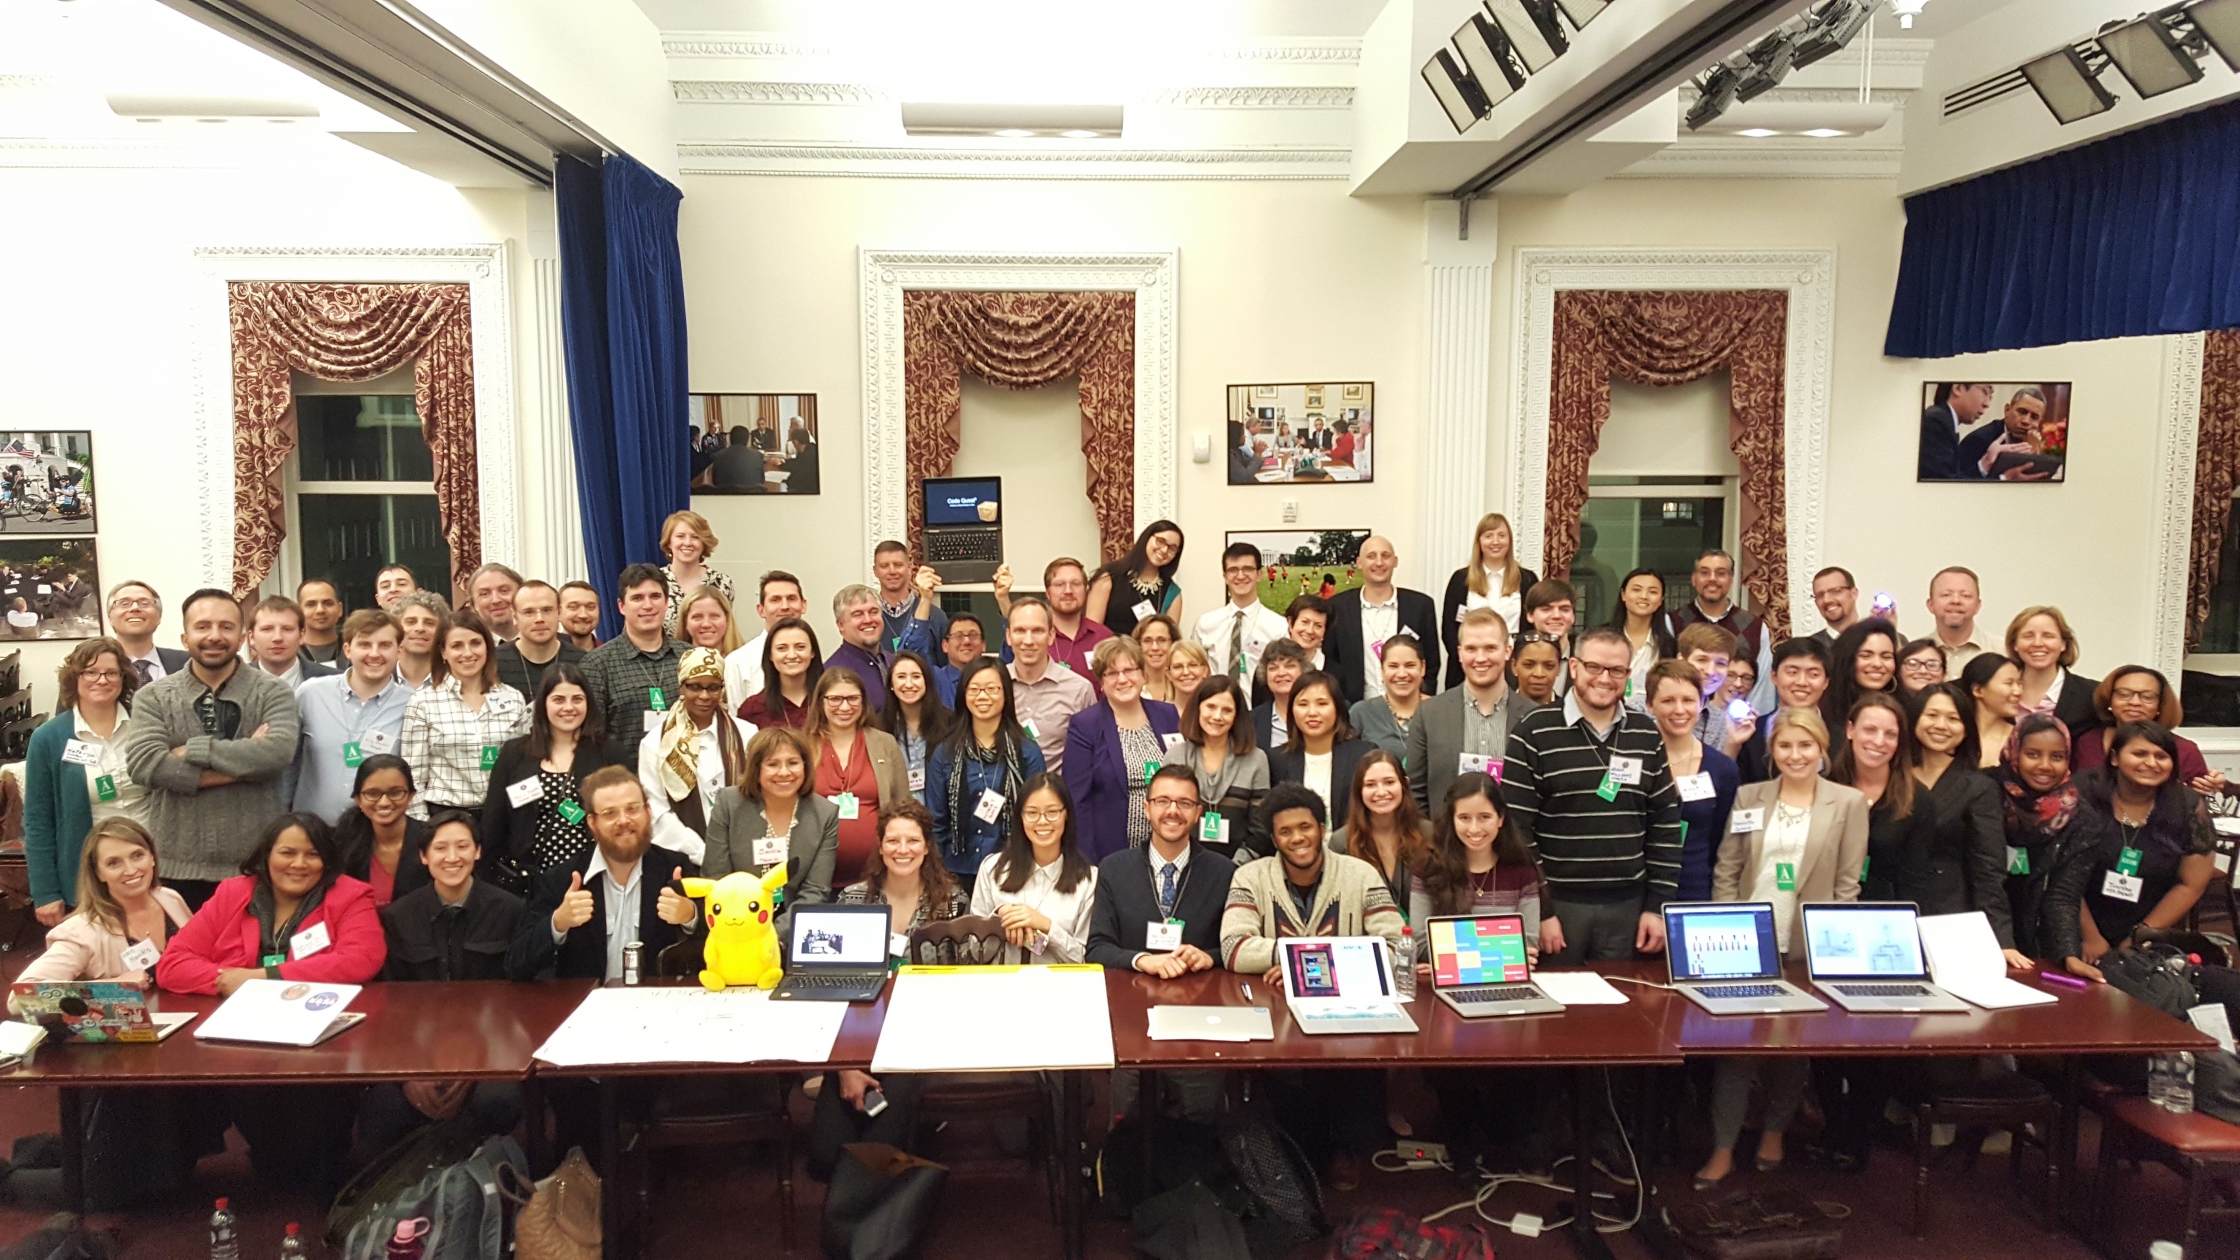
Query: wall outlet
(1290, 511)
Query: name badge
(850, 808)
(1170, 739)
(898, 944)
(655, 701)
(272, 960)
(1376, 650)
(1033, 732)
(105, 787)
(2018, 860)
(527, 790)
(572, 812)
(990, 807)
(1626, 770)
(1213, 829)
(353, 754)
(489, 756)
(1478, 763)
(1607, 789)
(1745, 821)
(1163, 938)
(1695, 787)
(78, 752)
(308, 942)
(918, 779)
(653, 719)
(1785, 876)
(769, 850)
(141, 955)
(1144, 609)
(2122, 887)
(378, 741)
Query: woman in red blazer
(290, 915)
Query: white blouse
(1068, 911)
(129, 795)
(1783, 842)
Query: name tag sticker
(1170, 739)
(1695, 787)
(653, 719)
(378, 741)
(990, 807)
(918, 779)
(850, 808)
(141, 955)
(308, 942)
(2122, 887)
(1144, 609)
(78, 752)
(1745, 821)
(1034, 733)
(1626, 770)
(2018, 860)
(1163, 938)
(898, 945)
(527, 790)
(105, 787)
(1473, 763)
(769, 850)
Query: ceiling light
(206, 108)
(1823, 133)
(1457, 92)
(2218, 21)
(1011, 120)
(1757, 132)
(1907, 10)
(1080, 133)
(1531, 25)
(1491, 59)
(1834, 25)
(2065, 84)
(1014, 133)
(1802, 118)
(2143, 50)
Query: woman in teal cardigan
(74, 772)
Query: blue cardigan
(1704, 825)
(1099, 778)
(979, 839)
(56, 812)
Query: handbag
(561, 1220)
(1773, 1225)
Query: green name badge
(656, 701)
(489, 756)
(1785, 876)
(2018, 860)
(105, 787)
(1609, 789)
(352, 754)
(572, 812)
(272, 960)
(1865, 863)
(1149, 768)
(2128, 861)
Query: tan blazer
(887, 766)
(1835, 847)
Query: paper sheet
(995, 1019)
(692, 1025)
(1578, 988)
(1965, 960)
(2210, 1018)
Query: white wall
(1032, 439)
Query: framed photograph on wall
(1295, 562)
(754, 444)
(2007, 431)
(46, 482)
(1281, 434)
(50, 588)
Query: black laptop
(839, 954)
(964, 527)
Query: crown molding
(1257, 98)
(1767, 158)
(757, 45)
(2176, 451)
(737, 45)
(986, 162)
(745, 92)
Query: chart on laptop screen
(1721, 944)
(1478, 951)
(1865, 942)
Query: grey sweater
(202, 832)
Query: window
(1662, 523)
(361, 491)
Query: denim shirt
(976, 839)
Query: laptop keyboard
(1741, 990)
(979, 544)
(1511, 994)
(1882, 990)
(827, 982)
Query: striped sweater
(1591, 849)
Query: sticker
(1144, 609)
(1695, 787)
(1475, 763)
(352, 755)
(1376, 650)
(572, 812)
(272, 960)
(652, 719)
(1213, 829)
(1163, 938)
(489, 756)
(308, 942)
(1170, 739)
(656, 701)
(529, 789)
(769, 850)
(2018, 860)
(105, 787)
(1626, 770)
(378, 741)
(141, 955)
(78, 752)
(1746, 821)
(898, 944)
(1609, 789)
(850, 808)
(918, 779)
(1033, 732)
(1149, 768)
(2128, 861)
(1785, 876)
(990, 807)
(2122, 887)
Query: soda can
(631, 954)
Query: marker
(2074, 982)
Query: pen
(2074, 982)
(1248, 992)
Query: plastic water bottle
(225, 1242)
(2158, 1079)
(409, 1241)
(1404, 970)
(291, 1247)
(2180, 1097)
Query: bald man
(1364, 619)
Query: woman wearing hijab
(2045, 822)
(685, 763)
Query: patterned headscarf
(680, 740)
(2034, 816)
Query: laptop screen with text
(1864, 941)
(1726, 941)
(1484, 949)
(839, 938)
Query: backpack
(2154, 974)
(1184, 1151)
(1189, 1222)
(1286, 1197)
(460, 1201)
(1387, 1234)
(1768, 1225)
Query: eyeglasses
(1172, 802)
(1238, 570)
(385, 794)
(985, 693)
(2124, 693)
(704, 688)
(1923, 667)
(101, 676)
(1592, 670)
(131, 604)
(1043, 815)
(843, 702)
(621, 812)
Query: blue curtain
(622, 321)
(2134, 235)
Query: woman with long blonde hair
(1492, 579)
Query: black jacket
(1345, 655)
(508, 832)
(429, 940)
(583, 954)
(1126, 904)
(1291, 767)
(1959, 862)
(1939, 453)
(412, 870)
(1450, 617)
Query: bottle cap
(222, 1203)
(294, 1229)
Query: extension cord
(1414, 1155)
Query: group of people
(417, 791)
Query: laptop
(94, 1011)
(1867, 957)
(1341, 984)
(839, 954)
(1725, 957)
(1479, 967)
(1211, 1023)
(283, 1013)
(964, 527)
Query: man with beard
(620, 891)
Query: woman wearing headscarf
(2045, 822)
(2153, 860)
(685, 763)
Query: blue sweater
(978, 839)
(56, 813)
(1704, 824)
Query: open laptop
(1479, 967)
(1725, 957)
(94, 1011)
(1341, 984)
(1867, 957)
(964, 527)
(839, 954)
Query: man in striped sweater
(1587, 784)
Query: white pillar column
(1458, 337)
(554, 550)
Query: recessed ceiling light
(1824, 132)
(1079, 133)
(1756, 132)
(1014, 133)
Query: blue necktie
(1166, 890)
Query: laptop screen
(1864, 940)
(1723, 941)
(1488, 949)
(964, 501)
(1352, 968)
(839, 937)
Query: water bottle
(410, 1239)
(2180, 1097)
(291, 1247)
(1404, 971)
(225, 1243)
(2158, 1079)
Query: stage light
(1769, 65)
(1532, 29)
(1490, 58)
(1582, 12)
(1715, 90)
(1834, 26)
(2066, 85)
(2218, 21)
(2148, 57)
(1458, 93)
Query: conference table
(491, 1030)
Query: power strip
(1421, 1154)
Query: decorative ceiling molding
(741, 92)
(28, 82)
(1329, 51)
(1887, 52)
(1258, 98)
(721, 44)
(1769, 157)
(753, 45)
(981, 162)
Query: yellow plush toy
(742, 938)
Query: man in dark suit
(1980, 451)
(740, 465)
(1363, 618)
(1940, 432)
(135, 610)
(580, 916)
(1244, 457)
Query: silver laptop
(964, 527)
(1479, 967)
(1867, 957)
(1211, 1023)
(1725, 957)
(1341, 984)
(839, 954)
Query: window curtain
(2131, 236)
(622, 322)
(1671, 339)
(2216, 468)
(1022, 341)
(348, 332)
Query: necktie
(146, 670)
(1166, 890)
(1236, 645)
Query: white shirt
(742, 672)
(1785, 833)
(1316, 775)
(154, 660)
(111, 764)
(1378, 623)
(1068, 912)
(622, 909)
(669, 831)
(1257, 625)
(293, 675)
(1511, 607)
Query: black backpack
(1286, 1196)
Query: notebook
(1965, 960)
(283, 1013)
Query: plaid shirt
(623, 680)
(444, 742)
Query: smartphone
(1885, 602)
(1739, 711)
(874, 1102)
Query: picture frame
(755, 444)
(1994, 432)
(1324, 445)
(46, 482)
(50, 588)
(1295, 562)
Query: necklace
(1147, 588)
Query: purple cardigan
(1098, 778)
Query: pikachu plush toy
(742, 933)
